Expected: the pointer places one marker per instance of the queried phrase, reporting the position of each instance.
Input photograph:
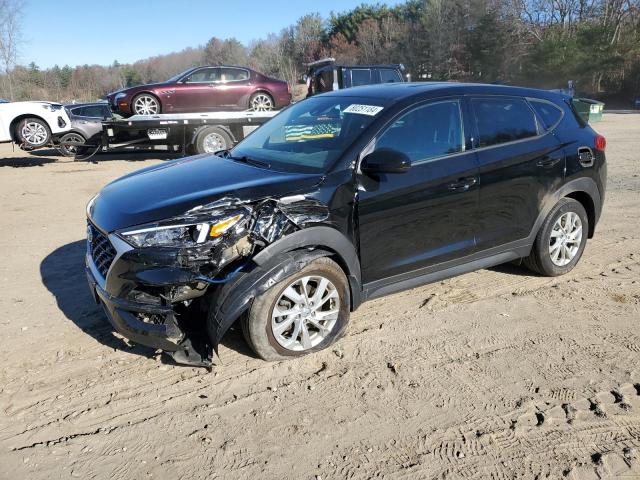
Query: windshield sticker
(363, 109)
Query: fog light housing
(61, 122)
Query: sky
(78, 32)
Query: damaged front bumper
(124, 291)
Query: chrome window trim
(233, 81)
(371, 145)
(542, 100)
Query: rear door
(231, 88)
(520, 164)
(427, 215)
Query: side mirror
(386, 160)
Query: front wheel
(33, 133)
(304, 313)
(561, 239)
(145, 104)
(261, 102)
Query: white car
(32, 124)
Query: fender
(229, 302)
(583, 184)
(326, 238)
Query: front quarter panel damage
(175, 277)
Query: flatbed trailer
(188, 133)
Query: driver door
(413, 221)
(195, 93)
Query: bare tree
(10, 37)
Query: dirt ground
(495, 374)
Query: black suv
(338, 199)
(327, 75)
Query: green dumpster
(590, 110)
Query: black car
(326, 75)
(341, 198)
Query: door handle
(547, 162)
(463, 184)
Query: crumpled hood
(172, 188)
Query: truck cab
(326, 75)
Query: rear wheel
(261, 102)
(212, 139)
(66, 149)
(145, 104)
(561, 239)
(33, 132)
(303, 313)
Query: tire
(557, 255)
(212, 139)
(33, 132)
(146, 104)
(70, 151)
(258, 325)
(261, 102)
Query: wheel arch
(339, 247)
(584, 190)
(587, 202)
(146, 92)
(13, 126)
(261, 89)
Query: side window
(429, 131)
(233, 74)
(548, 113)
(96, 111)
(204, 75)
(360, 76)
(502, 120)
(389, 76)
(77, 111)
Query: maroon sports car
(203, 89)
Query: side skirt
(435, 273)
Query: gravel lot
(494, 374)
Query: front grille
(100, 249)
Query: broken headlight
(179, 236)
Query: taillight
(600, 143)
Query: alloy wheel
(566, 237)
(34, 133)
(261, 103)
(146, 105)
(305, 313)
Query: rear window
(548, 113)
(389, 76)
(96, 111)
(502, 120)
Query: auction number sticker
(363, 109)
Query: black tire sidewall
(206, 131)
(64, 151)
(257, 326)
(542, 242)
(34, 120)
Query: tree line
(539, 43)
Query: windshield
(177, 77)
(308, 137)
